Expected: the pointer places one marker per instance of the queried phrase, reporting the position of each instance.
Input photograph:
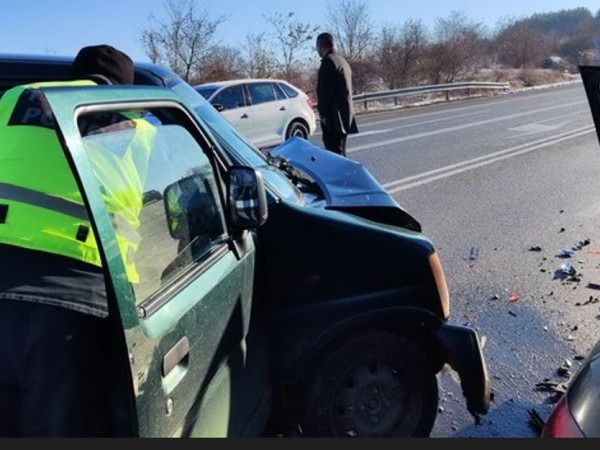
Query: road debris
(582, 244)
(474, 254)
(593, 286)
(564, 372)
(535, 249)
(567, 273)
(536, 421)
(513, 298)
(565, 253)
(556, 389)
(591, 301)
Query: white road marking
(464, 166)
(459, 127)
(411, 125)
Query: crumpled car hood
(344, 182)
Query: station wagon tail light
(440, 281)
(311, 105)
(561, 423)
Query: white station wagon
(265, 111)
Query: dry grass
(527, 78)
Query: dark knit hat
(103, 60)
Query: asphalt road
(504, 186)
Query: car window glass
(205, 91)
(279, 94)
(230, 97)
(291, 92)
(234, 145)
(261, 93)
(161, 193)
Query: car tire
(298, 129)
(373, 385)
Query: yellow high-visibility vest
(41, 206)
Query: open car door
(182, 289)
(591, 81)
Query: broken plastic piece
(582, 244)
(565, 253)
(568, 269)
(474, 253)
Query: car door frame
(162, 407)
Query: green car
(280, 292)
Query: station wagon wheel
(374, 385)
(297, 128)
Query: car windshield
(235, 146)
(206, 91)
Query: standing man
(334, 96)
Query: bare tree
(259, 59)
(183, 39)
(456, 50)
(519, 45)
(292, 37)
(223, 63)
(400, 52)
(352, 25)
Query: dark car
(577, 413)
(349, 324)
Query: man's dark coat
(334, 94)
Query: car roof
(33, 67)
(219, 84)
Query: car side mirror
(246, 198)
(219, 107)
(191, 209)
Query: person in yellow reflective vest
(53, 305)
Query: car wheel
(297, 129)
(374, 385)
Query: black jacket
(334, 94)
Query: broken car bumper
(464, 354)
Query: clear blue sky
(61, 27)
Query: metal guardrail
(436, 88)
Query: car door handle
(245, 116)
(179, 354)
(282, 108)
